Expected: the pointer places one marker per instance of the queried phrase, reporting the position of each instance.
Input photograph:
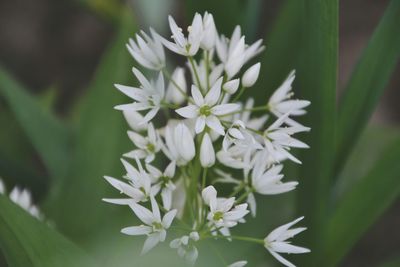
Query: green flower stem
(191, 60)
(169, 77)
(244, 195)
(207, 59)
(241, 238)
(241, 91)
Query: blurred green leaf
(48, 136)
(25, 241)
(281, 53)
(316, 77)
(101, 140)
(359, 208)
(368, 81)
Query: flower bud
(251, 75)
(173, 94)
(231, 86)
(207, 154)
(209, 32)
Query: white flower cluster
(205, 136)
(23, 198)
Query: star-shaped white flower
(163, 182)
(148, 97)
(182, 45)
(185, 247)
(223, 214)
(147, 51)
(155, 227)
(147, 146)
(206, 110)
(276, 242)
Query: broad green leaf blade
(359, 208)
(48, 136)
(316, 77)
(25, 241)
(368, 82)
(281, 53)
(101, 139)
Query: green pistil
(218, 216)
(157, 226)
(205, 110)
(151, 148)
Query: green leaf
(25, 241)
(368, 81)
(392, 263)
(316, 78)
(101, 140)
(281, 53)
(361, 206)
(48, 136)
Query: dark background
(56, 45)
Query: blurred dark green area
(59, 134)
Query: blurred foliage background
(59, 134)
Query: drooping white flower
(276, 242)
(207, 154)
(185, 247)
(280, 102)
(209, 32)
(147, 51)
(163, 182)
(182, 45)
(147, 146)
(251, 75)
(179, 144)
(155, 227)
(223, 214)
(238, 264)
(234, 53)
(138, 187)
(177, 87)
(148, 97)
(234, 133)
(205, 109)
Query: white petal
(281, 259)
(142, 213)
(224, 109)
(232, 86)
(274, 235)
(212, 96)
(197, 96)
(214, 123)
(200, 124)
(168, 218)
(155, 209)
(188, 112)
(151, 241)
(137, 230)
(209, 194)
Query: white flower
(204, 78)
(155, 227)
(251, 75)
(205, 109)
(185, 247)
(163, 182)
(234, 133)
(185, 46)
(280, 102)
(176, 91)
(234, 53)
(148, 51)
(209, 32)
(222, 214)
(147, 147)
(231, 86)
(238, 264)
(278, 139)
(276, 242)
(179, 144)
(148, 97)
(207, 154)
(138, 188)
